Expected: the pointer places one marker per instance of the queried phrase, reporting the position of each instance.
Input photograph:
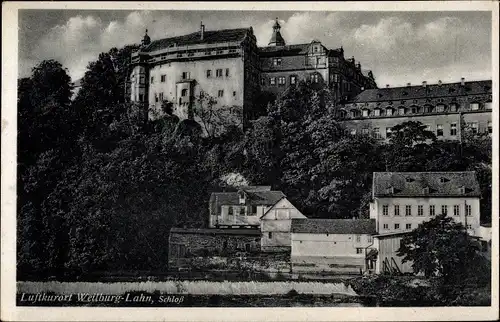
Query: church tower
(276, 39)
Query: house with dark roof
(403, 200)
(243, 208)
(331, 246)
(447, 110)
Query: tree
(440, 247)
(411, 133)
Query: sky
(399, 47)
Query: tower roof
(276, 38)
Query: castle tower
(276, 39)
(146, 40)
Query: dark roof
(393, 234)
(334, 226)
(414, 184)
(434, 90)
(287, 50)
(209, 37)
(216, 231)
(253, 198)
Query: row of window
(473, 126)
(432, 210)
(218, 73)
(159, 97)
(191, 53)
(409, 226)
(390, 111)
(281, 80)
(242, 211)
(187, 75)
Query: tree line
(100, 186)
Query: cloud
(393, 45)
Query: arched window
(413, 109)
(389, 111)
(184, 92)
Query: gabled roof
(265, 213)
(254, 197)
(425, 184)
(334, 226)
(419, 91)
(209, 37)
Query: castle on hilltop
(225, 71)
(228, 66)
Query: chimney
(462, 81)
(408, 84)
(424, 84)
(440, 83)
(387, 86)
(202, 30)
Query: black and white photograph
(258, 155)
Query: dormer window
(241, 196)
(366, 113)
(461, 190)
(376, 112)
(390, 190)
(425, 190)
(409, 179)
(443, 180)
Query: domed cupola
(276, 39)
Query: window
(396, 226)
(376, 112)
(396, 210)
(420, 210)
(439, 130)
(161, 97)
(469, 226)
(293, 80)
(386, 226)
(277, 61)
(142, 79)
(444, 209)
(468, 210)
(218, 73)
(315, 78)
(184, 92)
(156, 98)
(185, 75)
(230, 211)
(369, 238)
(366, 113)
(474, 127)
(209, 73)
(456, 210)
(388, 132)
(254, 209)
(440, 108)
(385, 210)
(428, 128)
(453, 129)
(234, 93)
(227, 72)
(359, 250)
(179, 55)
(365, 131)
(242, 211)
(220, 93)
(408, 210)
(272, 80)
(388, 112)
(262, 81)
(376, 133)
(432, 210)
(401, 111)
(270, 235)
(358, 238)
(490, 127)
(141, 97)
(487, 105)
(281, 80)
(453, 107)
(152, 79)
(474, 106)
(408, 226)
(163, 78)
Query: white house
(403, 200)
(331, 245)
(242, 208)
(276, 224)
